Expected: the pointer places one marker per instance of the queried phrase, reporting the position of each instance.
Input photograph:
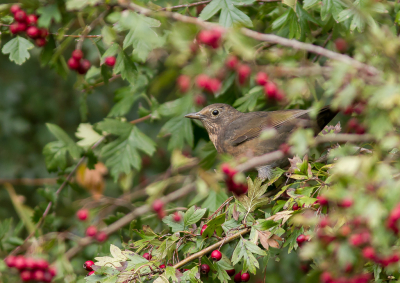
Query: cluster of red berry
(77, 63)
(231, 184)
(326, 277)
(31, 269)
(91, 231)
(393, 219)
(27, 23)
(158, 207)
(241, 276)
(88, 265)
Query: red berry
(147, 256)
(10, 261)
(210, 37)
(40, 42)
(213, 85)
(14, 8)
(31, 19)
(42, 263)
(82, 214)
(322, 200)
(43, 33)
(200, 99)
(345, 203)
(20, 16)
(162, 266)
(360, 130)
(77, 54)
(52, 271)
(230, 272)
(14, 28)
(177, 217)
(243, 72)
(161, 214)
(261, 78)
(301, 239)
(38, 275)
(270, 90)
(183, 82)
(352, 123)
(205, 269)
(22, 27)
(394, 258)
(30, 263)
(228, 170)
(369, 253)
(32, 32)
(238, 277)
(101, 236)
(88, 265)
(47, 276)
(216, 255)
(26, 275)
(20, 262)
(73, 64)
(341, 45)
(245, 277)
(91, 231)
(90, 273)
(349, 110)
(158, 205)
(326, 277)
(295, 206)
(202, 81)
(232, 62)
(202, 229)
(110, 61)
(84, 66)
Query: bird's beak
(196, 116)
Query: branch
(88, 29)
(211, 248)
(29, 182)
(129, 217)
(275, 155)
(206, 2)
(258, 36)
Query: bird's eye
(215, 112)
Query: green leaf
(214, 225)
(141, 36)
(230, 15)
(18, 49)
(242, 252)
(109, 35)
(47, 14)
(55, 154)
(192, 216)
(310, 3)
(122, 154)
(331, 7)
(127, 96)
(175, 226)
(87, 135)
(249, 101)
(62, 136)
(124, 66)
(80, 4)
(214, 200)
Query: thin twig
(88, 29)
(141, 119)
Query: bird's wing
(252, 127)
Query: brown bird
(236, 133)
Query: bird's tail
(324, 116)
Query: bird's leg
(264, 172)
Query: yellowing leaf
(92, 180)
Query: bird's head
(215, 116)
